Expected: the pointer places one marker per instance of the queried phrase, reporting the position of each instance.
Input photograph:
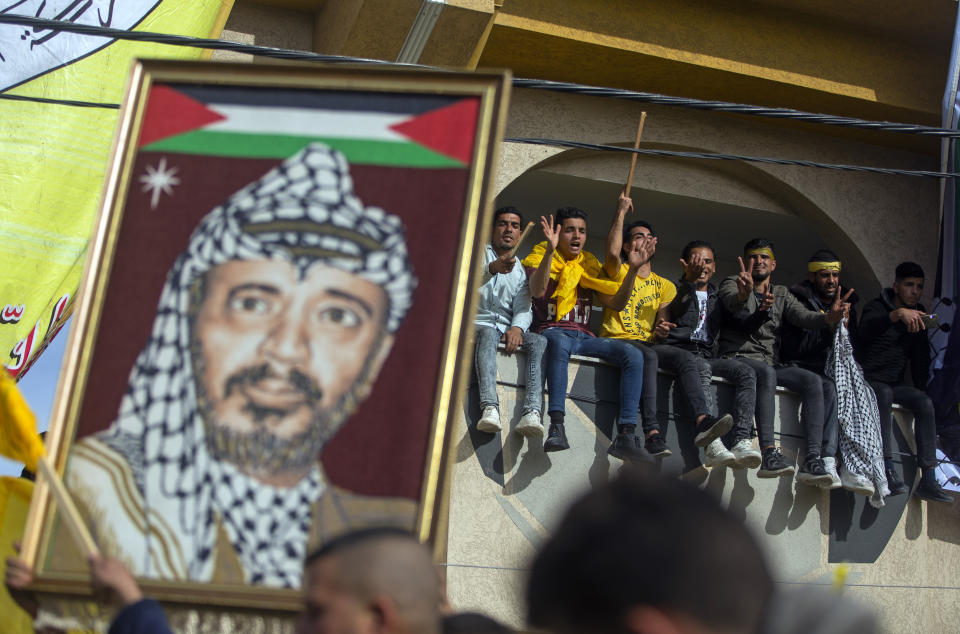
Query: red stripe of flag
(170, 112)
(449, 130)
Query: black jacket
(685, 313)
(809, 349)
(883, 347)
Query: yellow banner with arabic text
(53, 155)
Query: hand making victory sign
(840, 308)
(744, 280)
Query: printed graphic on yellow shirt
(636, 320)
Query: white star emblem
(159, 180)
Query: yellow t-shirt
(636, 320)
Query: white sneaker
(530, 424)
(830, 466)
(490, 420)
(856, 482)
(745, 454)
(717, 455)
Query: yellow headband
(813, 267)
(764, 250)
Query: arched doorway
(723, 202)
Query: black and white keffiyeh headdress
(303, 211)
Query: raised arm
(618, 301)
(540, 278)
(611, 263)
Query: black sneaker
(813, 473)
(894, 483)
(929, 489)
(556, 438)
(656, 446)
(626, 446)
(772, 464)
(711, 428)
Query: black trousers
(924, 422)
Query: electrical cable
(730, 157)
(536, 84)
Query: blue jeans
(486, 360)
(561, 343)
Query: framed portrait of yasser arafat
(266, 345)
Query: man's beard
(759, 277)
(261, 451)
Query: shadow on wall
(857, 532)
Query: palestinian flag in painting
(376, 129)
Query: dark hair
(697, 244)
(824, 255)
(355, 538)
(633, 225)
(758, 243)
(472, 623)
(648, 540)
(908, 269)
(626, 234)
(565, 213)
(507, 210)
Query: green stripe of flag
(279, 146)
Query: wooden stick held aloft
(68, 510)
(633, 158)
(526, 232)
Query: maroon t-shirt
(545, 310)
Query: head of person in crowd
(507, 227)
(908, 284)
(473, 623)
(371, 581)
(573, 231)
(758, 255)
(823, 272)
(700, 253)
(636, 232)
(649, 554)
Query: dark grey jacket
(753, 334)
(883, 347)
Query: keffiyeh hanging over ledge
(861, 445)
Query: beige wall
(506, 494)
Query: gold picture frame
(202, 140)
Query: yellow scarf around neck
(584, 270)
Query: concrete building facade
(885, 61)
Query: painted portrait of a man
(272, 326)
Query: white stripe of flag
(334, 124)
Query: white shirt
(700, 332)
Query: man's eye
(250, 304)
(339, 316)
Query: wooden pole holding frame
(68, 510)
